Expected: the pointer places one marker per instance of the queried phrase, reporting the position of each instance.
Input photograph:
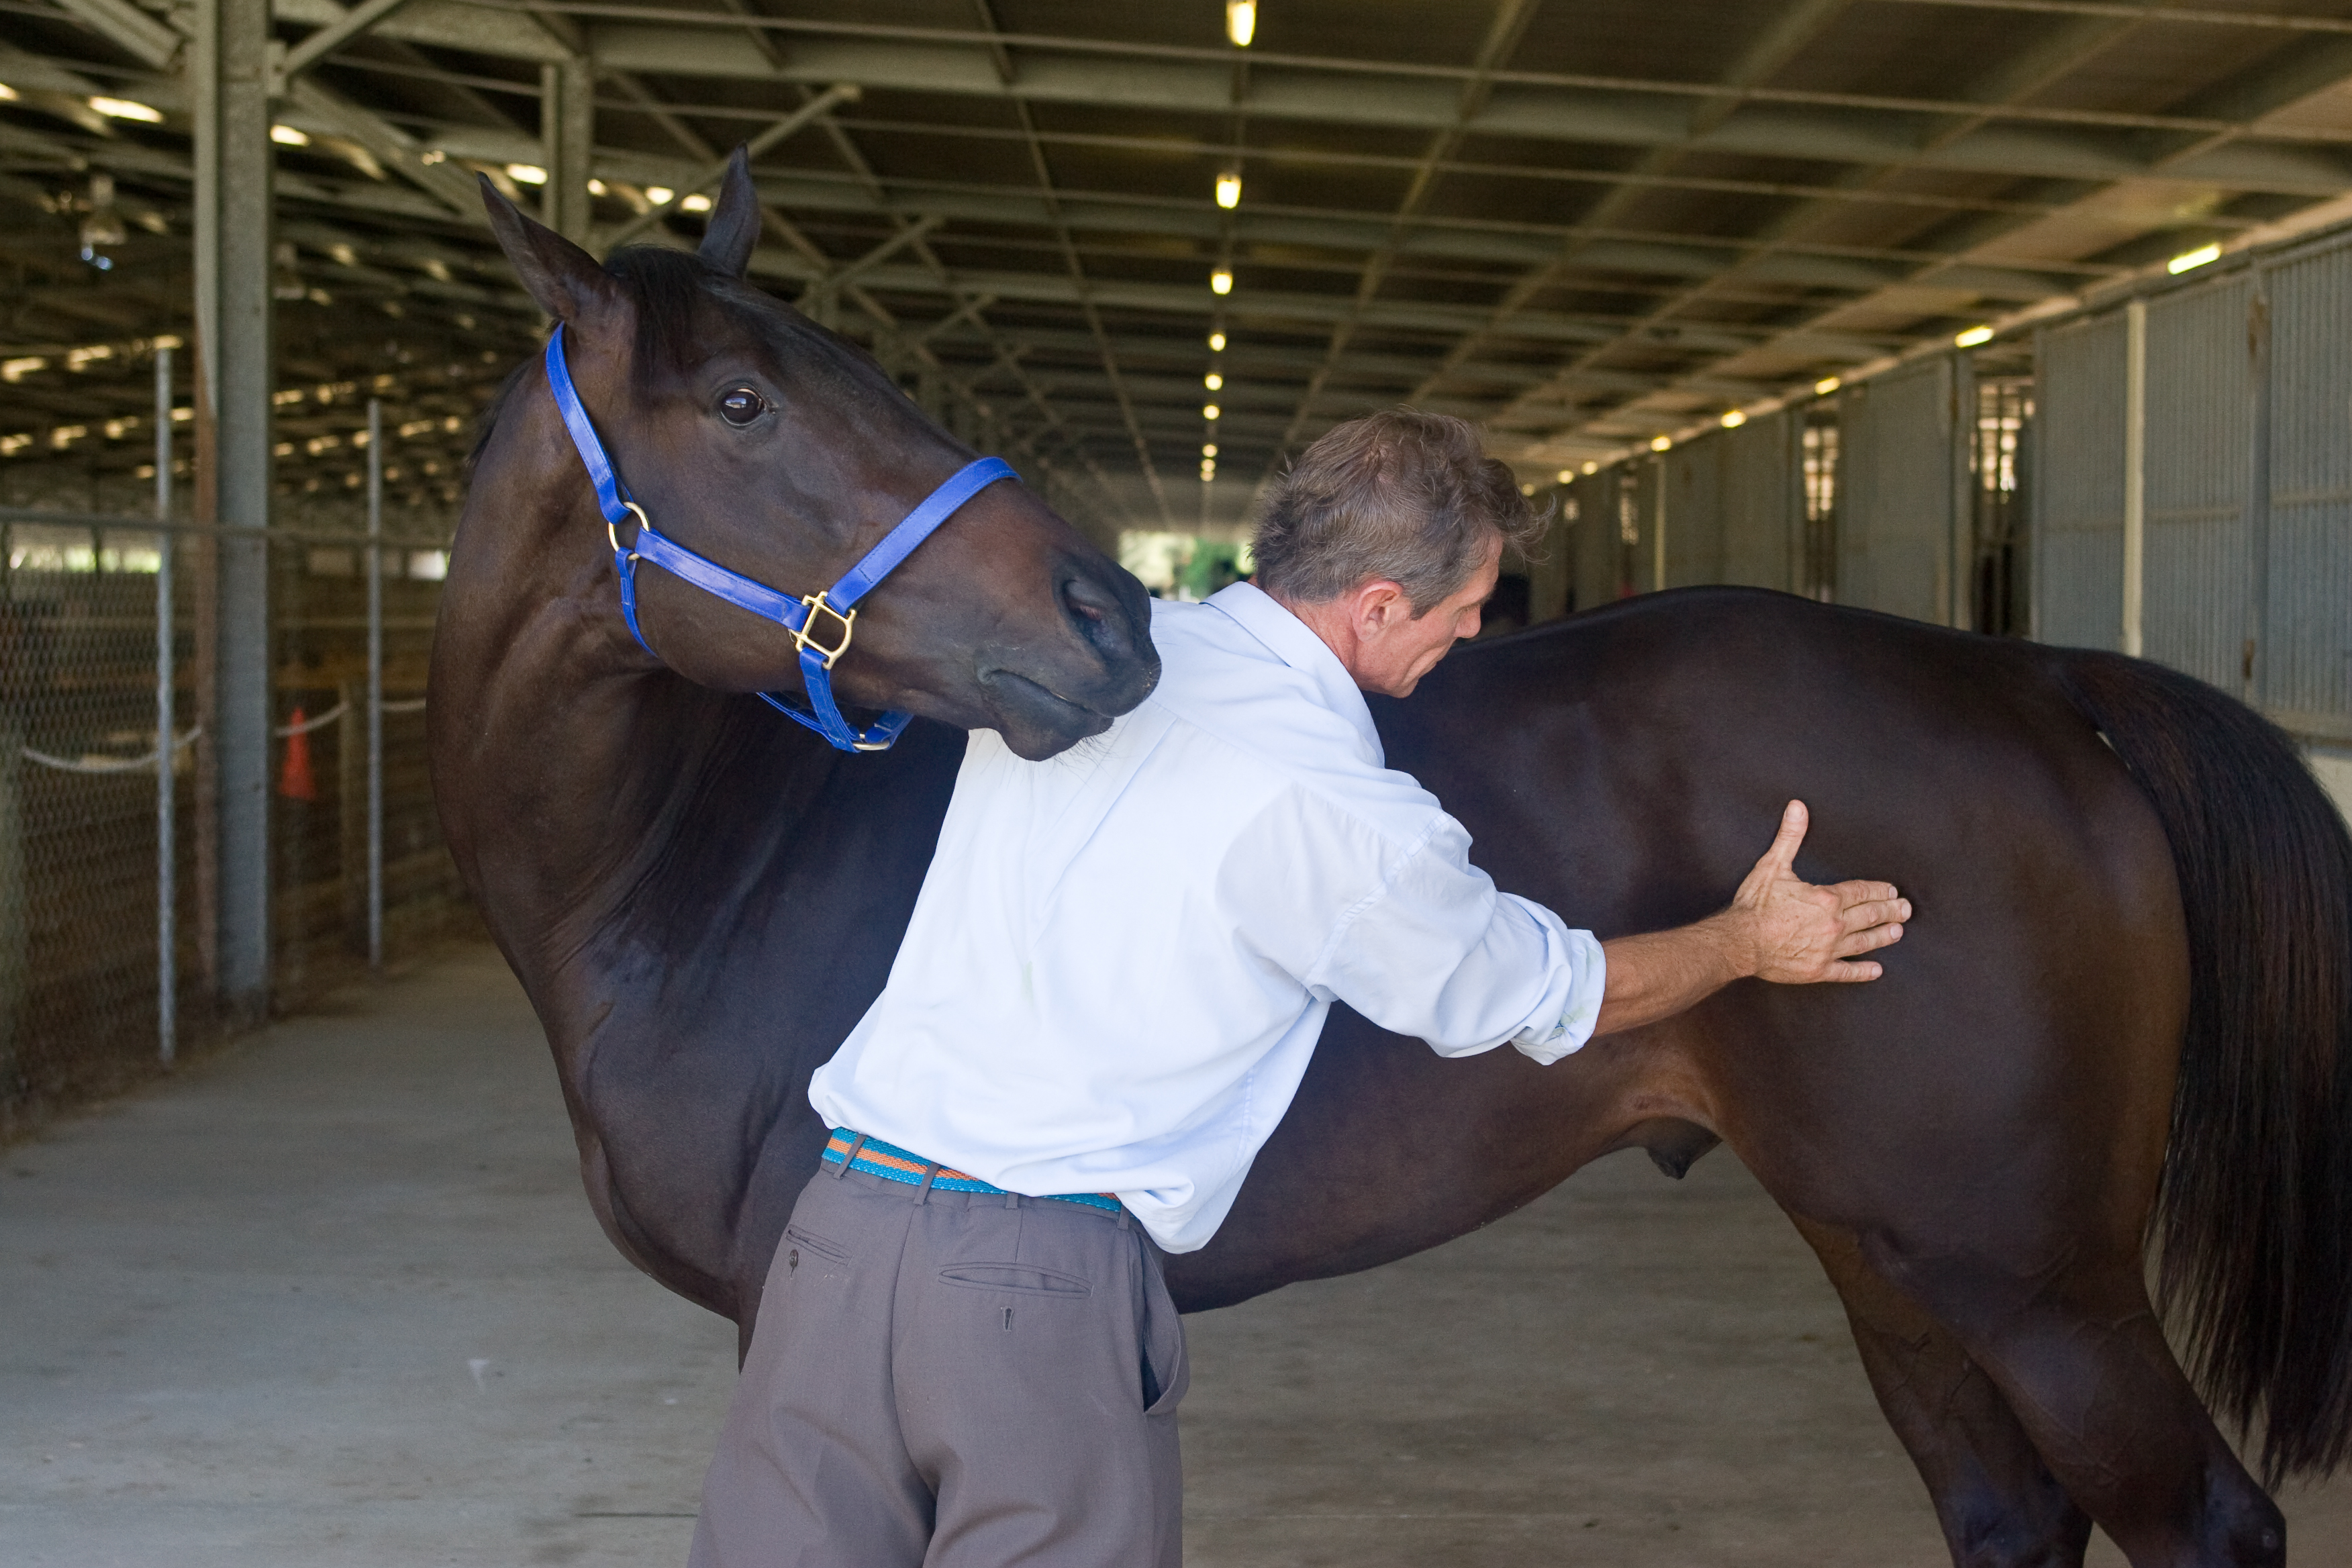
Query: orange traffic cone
(296, 781)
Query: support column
(229, 82)
(567, 129)
(2135, 473)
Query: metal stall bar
(2298, 660)
(1692, 484)
(167, 922)
(2196, 459)
(230, 79)
(1762, 502)
(1897, 447)
(2134, 572)
(376, 684)
(2077, 568)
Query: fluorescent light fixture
(1564, 475)
(1734, 420)
(1591, 467)
(1241, 22)
(1661, 443)
(526, 173)
(1216, 342)
(7, 93)
(2189, 260)
(697, 203)
(1208, 448)
(127, 108)
(431, 157)
(1526, 490)
(1972, 337)
(1827, 384)
(659, 195)
(1221, 281)
(1229, 189)
(597, 187)
(1210, 411)
(287, 136)
(1213, 382)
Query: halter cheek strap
(820, 624)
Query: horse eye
(741, 405)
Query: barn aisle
(333, 1300)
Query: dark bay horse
(2122, 1015)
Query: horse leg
(2075, 1352)
(1997, 1502)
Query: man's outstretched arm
(1777, 928)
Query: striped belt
(892, 1163)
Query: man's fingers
(1868, 940)
(1885, 911)
(1847, 974)
(1865, 892)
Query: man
(1115, 972)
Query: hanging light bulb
(1241, 22)
(1208, 411)
(1213, 382)
(1221, 281)
(1216, 342)
(1229, 189)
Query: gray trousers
(957, 1382)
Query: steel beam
(708, 180)
(567, 129)
(229, 75)
(150, 40)
(358, 19)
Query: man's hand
(1795, 933)
(1777, 929)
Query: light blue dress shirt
(1122, 956)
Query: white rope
(108, 765)
(288, 732)
(406, 705)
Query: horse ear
(735, 221)
(563, 279)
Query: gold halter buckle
(806, 634)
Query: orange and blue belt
(892, 1163)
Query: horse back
(1626, 767)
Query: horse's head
(762, 441)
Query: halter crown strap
(820, 624)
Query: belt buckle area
(806, 634)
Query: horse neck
(570, 768)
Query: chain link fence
(108, 858)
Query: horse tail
(2254, 1216)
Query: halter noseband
(820, 624)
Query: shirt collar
(1294, 642)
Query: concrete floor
(334, 1299)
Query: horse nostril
(1087, 600)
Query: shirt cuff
(1588, 978)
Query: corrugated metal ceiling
(1580, 223)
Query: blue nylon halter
(802, 617)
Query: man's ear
(563, 279)
(735, 221)
(1379, 604)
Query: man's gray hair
(1402, 495)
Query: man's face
(1396, 648)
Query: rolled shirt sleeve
(1411, 934)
